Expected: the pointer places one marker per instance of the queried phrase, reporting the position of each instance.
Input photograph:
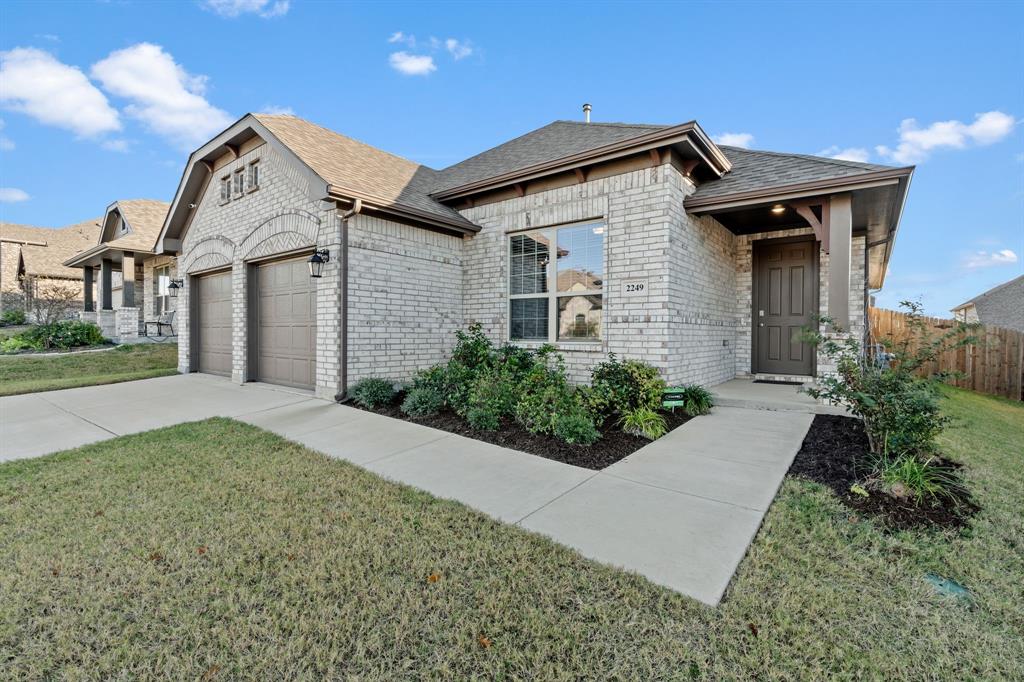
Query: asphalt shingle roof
(554, 141)
(146, 219)
(755, 170)
(358, 167)
(61, 244)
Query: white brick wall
(405, 300)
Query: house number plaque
(634, 287)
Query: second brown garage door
(285, 324)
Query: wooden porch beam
(820, 227)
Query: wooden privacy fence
(993, 365)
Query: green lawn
(215, 550)
(31, 373)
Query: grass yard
(31, 373)
(215, 550)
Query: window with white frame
(239, 181)
(559, 299)
(225, 188)
(253, 181)
(162, 292)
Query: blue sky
(103, 100)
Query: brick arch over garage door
(284, 233)
(210, 253)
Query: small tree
(900, 410)
(53, 303)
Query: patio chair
(165, 321)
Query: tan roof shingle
(348, 164)
(61, 244)
(146, 219)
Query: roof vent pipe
(586, 113)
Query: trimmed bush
(483, 418)
(644, 422)
(374, 392)
(422, 401)
(576, 427)
(621, 386)
(16, 344)
(62, 335)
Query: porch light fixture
(173, 287)
(316, 262)
(778, 209)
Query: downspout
(357, 207)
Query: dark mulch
(836, 453)
(613, 446)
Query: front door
(784, 300)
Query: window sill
(250, 190)
(596, 346)
(224, 202)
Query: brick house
(125, 280)
(31, 262)
(1000, 306)
(648, 241)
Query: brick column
(328, 311)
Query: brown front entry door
(785, 284)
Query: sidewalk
(680, 511)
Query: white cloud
(458, 50)
(116, 145)
(403, 38)
(35, 83)
(276, 110)
(11, 195)
(163, 95)
(735, 139)
(412, 64)
(915, 143)
(985, 259)
(6, 143)
(849, 154)
(235, 8)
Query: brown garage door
(213, 306)
(285, 324)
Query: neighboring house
(125, 280)
(703, 260)
(31, 260)
(1001, 306)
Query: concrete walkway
(680, 511)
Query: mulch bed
(613, 446)
(836, 453)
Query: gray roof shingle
(1002, 305)
(756, 170)
(554, 141)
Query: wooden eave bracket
(820, 227)
(581, 175)
(689, 165)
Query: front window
(239, 177)
(225, 188)
(558, 299)
(162, 293)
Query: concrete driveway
(680, 511)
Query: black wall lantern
(173, 287)
(316, 262)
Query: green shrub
(373, 392)
(483, 418)
(16, 344)
(645, 422)
(621, 386)
(576, 427)
(472, 348)
(492, 396)
(64, 334)
(900, 410)
(696, 399)
(422, 402)
(544, 393)
(12, 317)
